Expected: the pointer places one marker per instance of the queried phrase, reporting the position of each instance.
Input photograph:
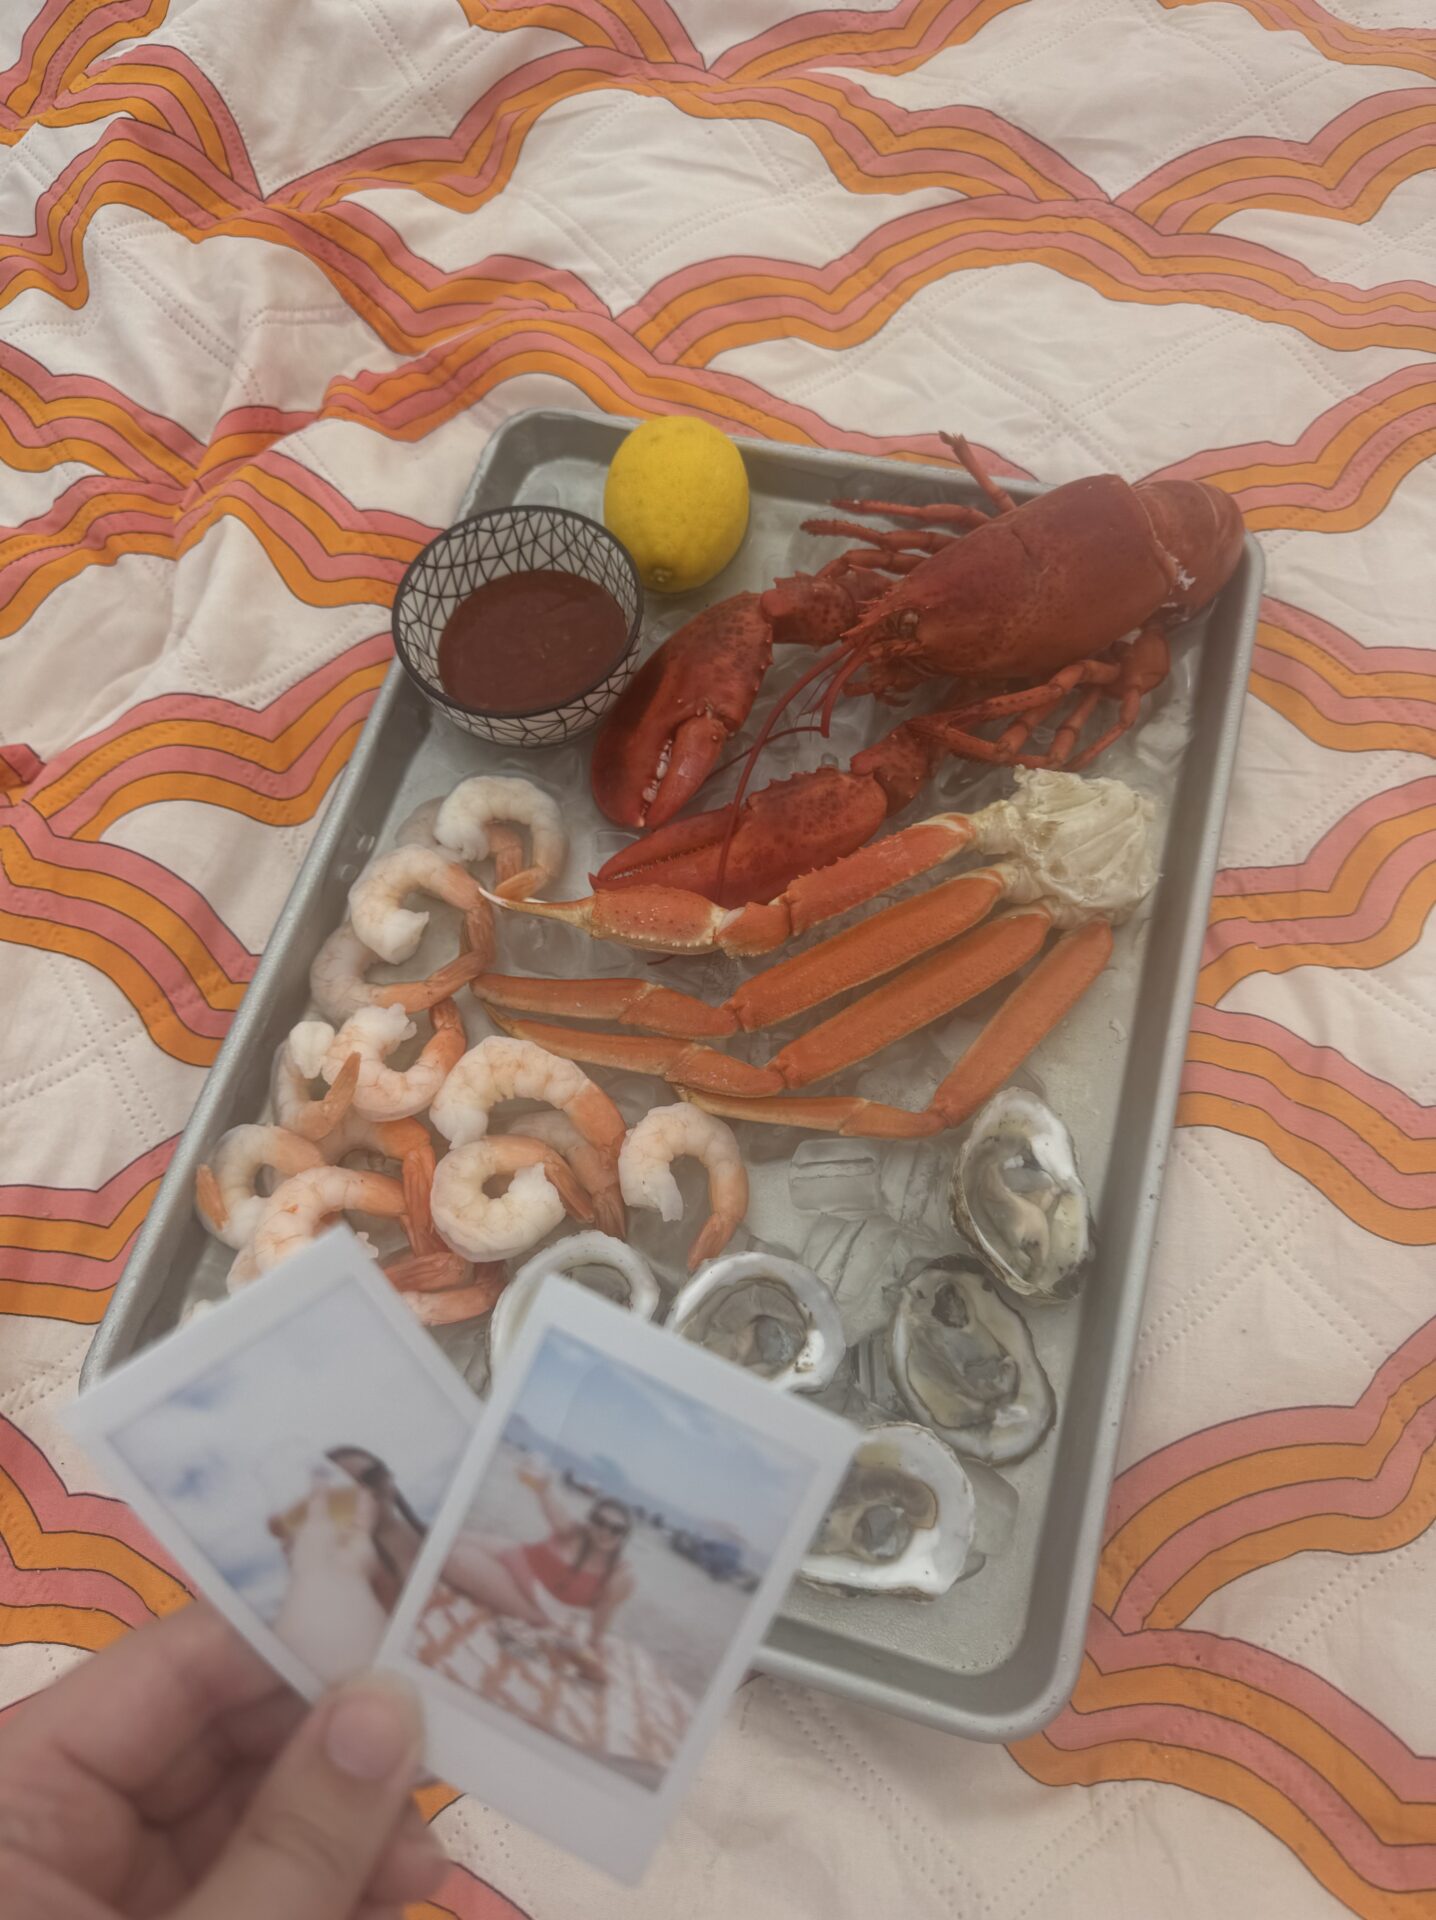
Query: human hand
(175, 1775)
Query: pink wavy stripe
(1343, 709)
(88, 1590)
(1314, 152)
(747, 398)
(1328, 26)
(1373, 452)
(1321, 1063)
(467, 1897)
(1324, 862)
(138, 870)
(58, 1509)
(1256, 1433)
(168, 104)
(74, 390)
(1379, 899)
(219, 765)
(1256, 1513)
(1341, 646)
(294, 534)
(448, 155)
(1410, 1191)
(1313, 440)
(1406, 1868)
(842, 32)
(185, 709)
(80, 1272)
(94, 1206)
(89, 22)
(1404, 306)
(171, 981)
(156, 520)
(1408, 1775)
(661, 16)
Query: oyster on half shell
(962, 1361)
(593, 1260)
(1017, 1195)
(773, 1316)
(903, 1522)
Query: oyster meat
(773, 1316)
(1017, 1195)
(594, 1260)
(903, 1522)
(962, 1360)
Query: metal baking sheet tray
(998, 1655)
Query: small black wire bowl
(483, 548)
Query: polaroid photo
(290, 1449)
(622, 1529)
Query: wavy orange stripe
(47, 1300)
(1405, 1226)
(1339, 39)
(33, 1548)
(253, 803)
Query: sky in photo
(673, 1449)
(240, 1442)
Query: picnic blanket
(637, 1715)
(272, 271)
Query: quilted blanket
(269, 275)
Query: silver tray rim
(120, 1332)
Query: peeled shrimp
(302, 1206)
(296, 1067)
(376, 900)
(502, 1069)
(225, 1195)
(506, 846)
(339, 978)
(406, 1141)
(596, 1170)
(484, 1226)
(645, 1172)
(467, 818)
(386, 1093)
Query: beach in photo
(607, 1558)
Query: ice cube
(835, 1176)
(860, 1260)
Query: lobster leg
(822, 1113)
(632, 1003)
(1145, 665)
(1030, 1012)
(936, 513)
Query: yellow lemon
(677, 497)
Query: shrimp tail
(323, 1116)
(209, 1201)
(577, 1200)
(417, 996)
(427, 1272)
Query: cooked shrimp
(466, 825)
(376, 899)
(297, 1211)
(225, 1192)
(596, 1170)
(445, 1309)
(386, 1093)
(485, 1226)
(406, 1141)
(339, 978)
(505, 844)
(296, 1068)
(502, 1069)
(645, 1172)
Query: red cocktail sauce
(529, 642)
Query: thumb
(324, 1815)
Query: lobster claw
(673, 720)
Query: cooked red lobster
(1024, 608)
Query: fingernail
(373, 1728)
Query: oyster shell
(962, 1360)
(1017, 1195)
(775, 1317)
(594, 1260)
(903, 1522)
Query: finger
(30, 1889)
(124, 1715)
(411, 1870)
(202, 1769)
(322, 1818)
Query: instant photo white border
(335, 1261)
(520, 1771)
